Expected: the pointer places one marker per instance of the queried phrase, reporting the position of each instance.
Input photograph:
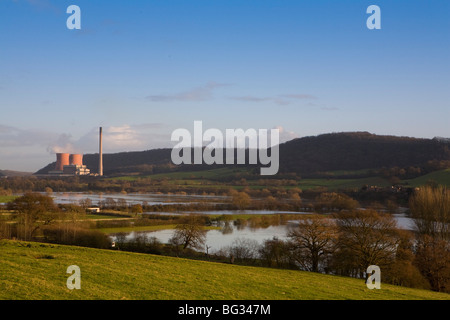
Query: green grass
(202, 174)
(336, 184)
(35, 271)
(441, 177)
(6, 199)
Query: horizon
(169, 148)
(143, 69)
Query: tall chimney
(100, 153)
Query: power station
(72, 164)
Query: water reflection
(220, 238)
(134, 198)
(233, 230)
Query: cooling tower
(76, 159)
(62, 159)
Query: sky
(143, 68)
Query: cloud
(251, 99)
(42, 5)
(329, 108)
(127, 137)
(15, 137)
(196, 94)
(282, 99)
(286, 135)
(299, 96)
(115, 139)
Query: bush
(77, 236)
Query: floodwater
(218, 239)
(215, 239)
(133, 198)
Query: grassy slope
(197, 179)
(38, 271)
(441, 177)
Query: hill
(36, 271)
(358, 150)
(307, 156)
(11, 173)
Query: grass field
(207, 178)
(6, 199)
(441, 177)
(36, 271)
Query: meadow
(37, 271)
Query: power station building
(72, 164)
(69, 164)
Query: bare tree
(33, 211)
(366, 238)
(430, 209)
(244, 249)
(191, 233)
(312, 241)
(433, 261)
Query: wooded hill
(307, 156)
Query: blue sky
(143, 68)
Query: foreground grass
(36, 271)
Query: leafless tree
(430, 209)
(191, 233)
(312, 241)
(366, 238)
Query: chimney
(100, 153)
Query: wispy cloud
(43, 5)
(251, 99)
(298, 96)
(286, 135)
(202, 93)
(16, 137)
(127, 137)
(282, 99)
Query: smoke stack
(100, 153)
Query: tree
(430, 209)
(190, 233)
(241, 200)
(136, 209)
(404, 272)
(366, 238)
(332, 201)
(433, 261)
(33, 211)
(312, 241)
(275, 253)
(243, 249)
